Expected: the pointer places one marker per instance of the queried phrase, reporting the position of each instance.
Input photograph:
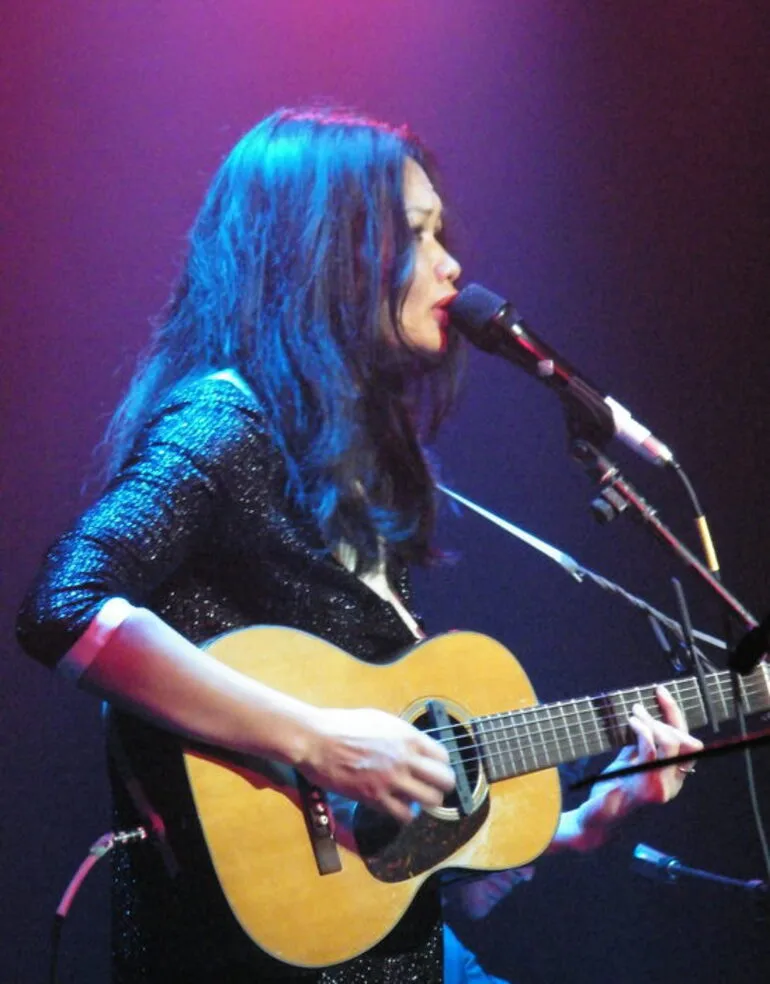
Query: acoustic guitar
(315, 879)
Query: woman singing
(267, 466)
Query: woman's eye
(422, 232)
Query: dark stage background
(606, 165)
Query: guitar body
(256, 830)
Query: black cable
(713, 564)
(56, 928)
(689, 487)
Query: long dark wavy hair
(300, 251)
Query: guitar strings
(502, 732)
(508, 746)
(552, 731)
(506, 728)
(602, 703)
(561, 713)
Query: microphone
(494, 325)
(654, 864)
(657, 866)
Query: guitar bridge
(319, 820)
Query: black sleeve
(200, 452)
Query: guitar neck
(540, 737)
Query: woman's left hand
(611, 800)
(654, 740)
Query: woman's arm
(201, 458)
(148, 668)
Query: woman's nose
(448, 268)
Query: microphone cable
(99, 849)
(701, 523)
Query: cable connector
(100, 847)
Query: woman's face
(424, 318)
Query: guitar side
(253, 822)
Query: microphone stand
(617, 494)
(749, 650)
(657, 619)
(696, 662)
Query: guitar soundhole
(395, 852)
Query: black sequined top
(197, 527)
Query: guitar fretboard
(516, 742)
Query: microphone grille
(474, 306)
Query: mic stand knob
(608, 476)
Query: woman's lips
(442, 317)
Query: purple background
(606, 166)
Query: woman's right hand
(376, 758)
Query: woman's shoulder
(221, 400)
(223, 388)
(212, 416)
